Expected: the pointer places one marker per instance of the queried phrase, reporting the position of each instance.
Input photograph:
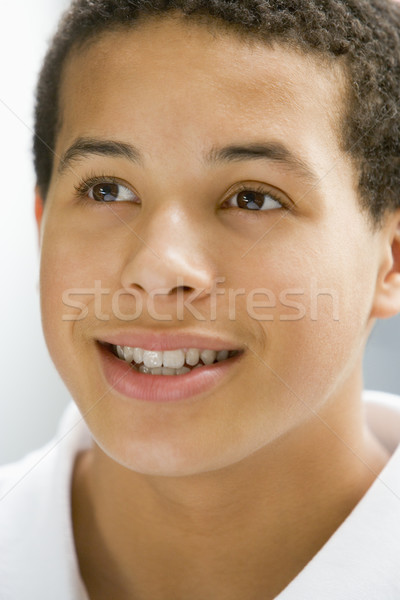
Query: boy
(218, 209)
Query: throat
(190, 551)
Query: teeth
(170, 362)
(208, 356)
(173, 358)
(138, 355)
(168, 371)
(183, 370)
(128, 353)
(192, 357)
(222, 354)
(156, 371)
(152, 358)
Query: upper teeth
(174, 359)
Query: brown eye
(110, 192)
(250, 200)
(254, 200)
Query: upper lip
(169, 341)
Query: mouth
(164, 375)
(170, 362)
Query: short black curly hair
(363, 34)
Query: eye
(257, 200)
(104, 189)
(110, 192)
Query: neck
(178, 537)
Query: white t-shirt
(361, 560)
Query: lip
(163, 388)
(169, 341)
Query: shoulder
(41, 469)
(36, 538)
(382, 398)
(20, 484)
(382, 413)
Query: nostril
(138, 287)
(181, 288)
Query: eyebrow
(273, 151)
(86, 147)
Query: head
(362, 37)
(253, 143)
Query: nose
(171, 255)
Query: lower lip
(162, 388)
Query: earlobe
(387, 294)
(38, 209)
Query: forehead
(185, 82)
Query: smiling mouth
(170, 362)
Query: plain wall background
(33, 395)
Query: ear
(387, 294)
(39, 205)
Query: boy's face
(178, 94)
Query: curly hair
(364, 35)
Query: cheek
(311, 316)
(72, 261)
(69, 270)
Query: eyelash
(259, 189)
(83, 188)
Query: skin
(228, 496)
